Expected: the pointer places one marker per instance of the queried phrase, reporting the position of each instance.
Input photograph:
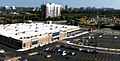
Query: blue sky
(71, 3)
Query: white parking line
(101, 48)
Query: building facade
(50, 10)
(26, 36)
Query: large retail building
(30, 35)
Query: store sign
(56, 34)
(34, 41)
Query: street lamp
(95, 54)
(95, 45)
(114, 40)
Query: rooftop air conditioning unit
(16, 34)
(63, 26)
(56, 27)
(50, 28)
(20, 37)
(40, 35)
(23, 32)
(35, 35)
(36, 27)
(51, 25)
(36, 31)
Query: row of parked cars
(79, 49)
(91, 37)
(61, 51)
(89, 41)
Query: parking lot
(55, 55)
(97, 40)
(59, 51)
(6, 48)
(56, 52)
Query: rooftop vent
(56, 27)
(51, 25)
(35, 35)
(63, 26)
(31, 36)
(60, 30)
(4, 27)
(23, 32)
(36, 27)
(36, 31)
(28, 37)
(24, 38)
(20, 37)
(40, 35)
(16, 34)
(50, 28)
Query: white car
(2, 51)
(48, 56)
(100, 36)
(73, 53)
(80, 49)
(63, 54)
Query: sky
(70, 3)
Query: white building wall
(52, 10)
(59, 10)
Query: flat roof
(25, 31)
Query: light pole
(115, 40)
(95, 45)
(95, 53)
